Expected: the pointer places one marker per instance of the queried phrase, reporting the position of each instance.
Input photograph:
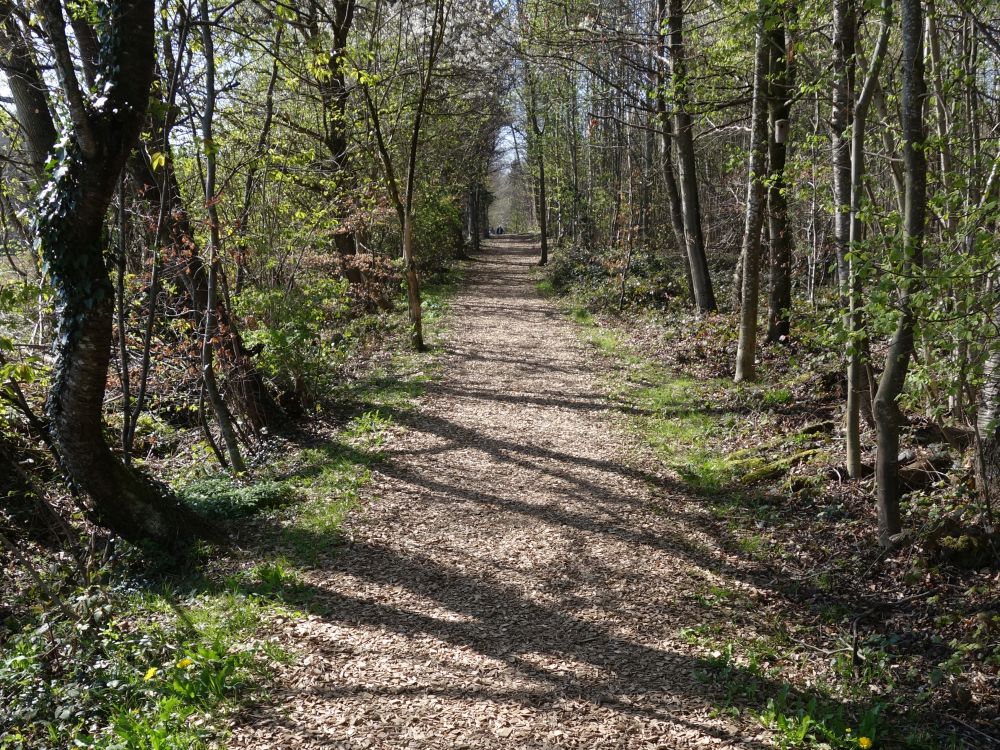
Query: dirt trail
(510, 582)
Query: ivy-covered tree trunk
(781, 79)
(71, 231)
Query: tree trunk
(780, 82)
(222, 414)
(333, 93)
(243, 381)
(28, 89)
(887, 414)
(72, 236)
(412, 285)
(674, 208)
(858, 384)
(684, 141)
(539, 145)
(475, 232)
(747, 349)
(988, 432)
(543, 222)
(844, 42)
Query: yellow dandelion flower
(864, 743)
(185, 662)
(150, 674)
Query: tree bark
(539, 144)
(781, 79)
(219, 406)
(403, 199)
(858, 389)
(160, 189)
(747, 348)
(842, 96)
(684, 141)
(333, 93)
(675, 211)
(71, 231)
(27, 89)
(888, 417)
(988, 432)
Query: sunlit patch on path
(507, 583)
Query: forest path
(510, 582)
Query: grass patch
(678, 421)
(218, 497)
(116, 663)
(677, 415)
(545, 287)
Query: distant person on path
(499, 231)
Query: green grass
(777, 396)
(545, 287)
(153, 664)
(679, 423)
(436, 295)
(675, 412)
(152, 668)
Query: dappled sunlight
(514, 574)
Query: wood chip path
(512, 581)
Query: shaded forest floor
(547, 552)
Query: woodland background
(226, 226)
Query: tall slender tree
(780, 83)
(888, 417)
(746, 353)
(688, 178)
(857, 380)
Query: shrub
(300, 331)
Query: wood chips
(510, 582)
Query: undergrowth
(104, 655)
(813, 659)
